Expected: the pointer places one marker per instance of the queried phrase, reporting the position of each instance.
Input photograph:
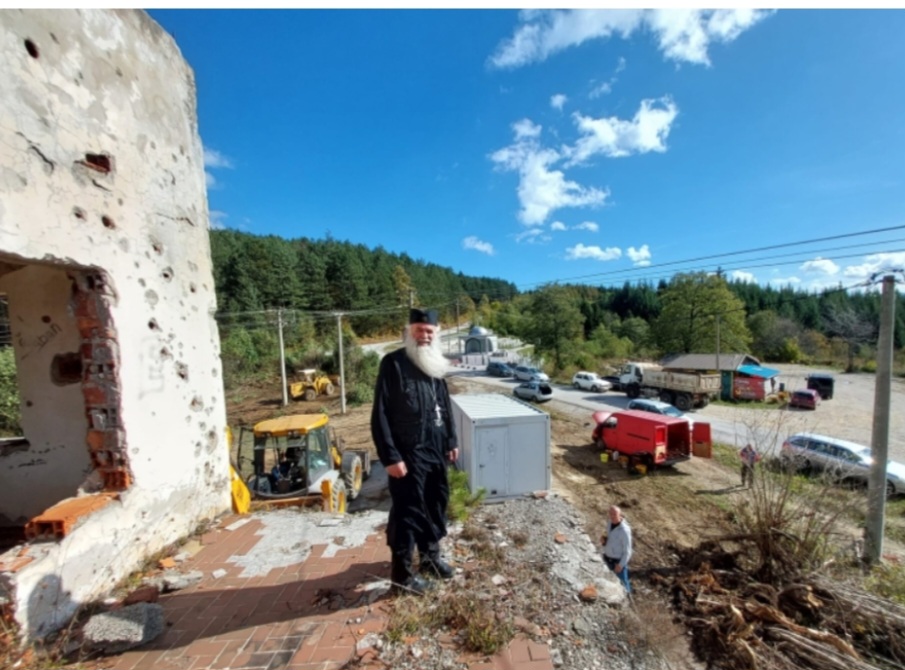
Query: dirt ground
(669, 509)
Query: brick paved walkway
(307, 615)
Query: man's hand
(618, 568)
(397, 469)
(453, 455)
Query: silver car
(534, 390)
(842, 460)
(527, 374)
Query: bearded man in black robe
(411, 424)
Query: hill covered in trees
(311, 281)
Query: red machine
(649, 439)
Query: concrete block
(126, 628)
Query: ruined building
(106, 272)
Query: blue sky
(540, 146)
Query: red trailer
(649, 439)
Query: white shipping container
(504, 444)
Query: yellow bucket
(604, 457)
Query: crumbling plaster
(86, 90)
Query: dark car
(806, 399)
(499, 369)
(823, 384)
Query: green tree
(10, 411)
(556, 322)
(691, 305)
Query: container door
(492, 461)
(701, 440)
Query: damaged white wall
(101, 171)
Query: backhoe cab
(297, 460)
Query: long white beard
(429, 358)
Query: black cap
(423, 316)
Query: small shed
(480, 341)
(504, 444)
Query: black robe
(404, 428)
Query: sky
(571, 146)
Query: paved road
(727, 432)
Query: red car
(806, 399)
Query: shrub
(10, 410)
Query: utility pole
(458, 340)
(718, 370)
(411, 298)
(342, 368)
(282, 356)
(876, 490)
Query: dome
(478, 330)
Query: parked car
(537, 391)
(526, 374)
(805, 398)
(655, 406)
(844, 461)
(590, 381)
(499, 369)
(823, 384)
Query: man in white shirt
(617, 547)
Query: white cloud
(640, 257)
(533, 236)
(615, 138)
(557, 101)
(743, 275)
(580, 251)
(214, 159)
(587, 225)
(541, 188)
(822, 265)
(601, 89)
(558, 225)
(875, 263)
(473, 242)
(525, 129)
(217, 219)
(784, 281)
(682, 34)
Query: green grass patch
(461, 500)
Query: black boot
(431, 564)
(405, 581)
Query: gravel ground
(548, 559)
(849, 415)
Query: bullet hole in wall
(108, 222)
(152, 324)
(167, 274)
(99, 162)
(46, 319)
(78, 213)
(182, 370)
(31, 48)
(66, 369)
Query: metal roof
(758, 371)
(728, 362)
(493, 405)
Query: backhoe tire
(328, 389)
(338, 497)
(352, 474)
(310, 395)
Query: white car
(590, 381)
